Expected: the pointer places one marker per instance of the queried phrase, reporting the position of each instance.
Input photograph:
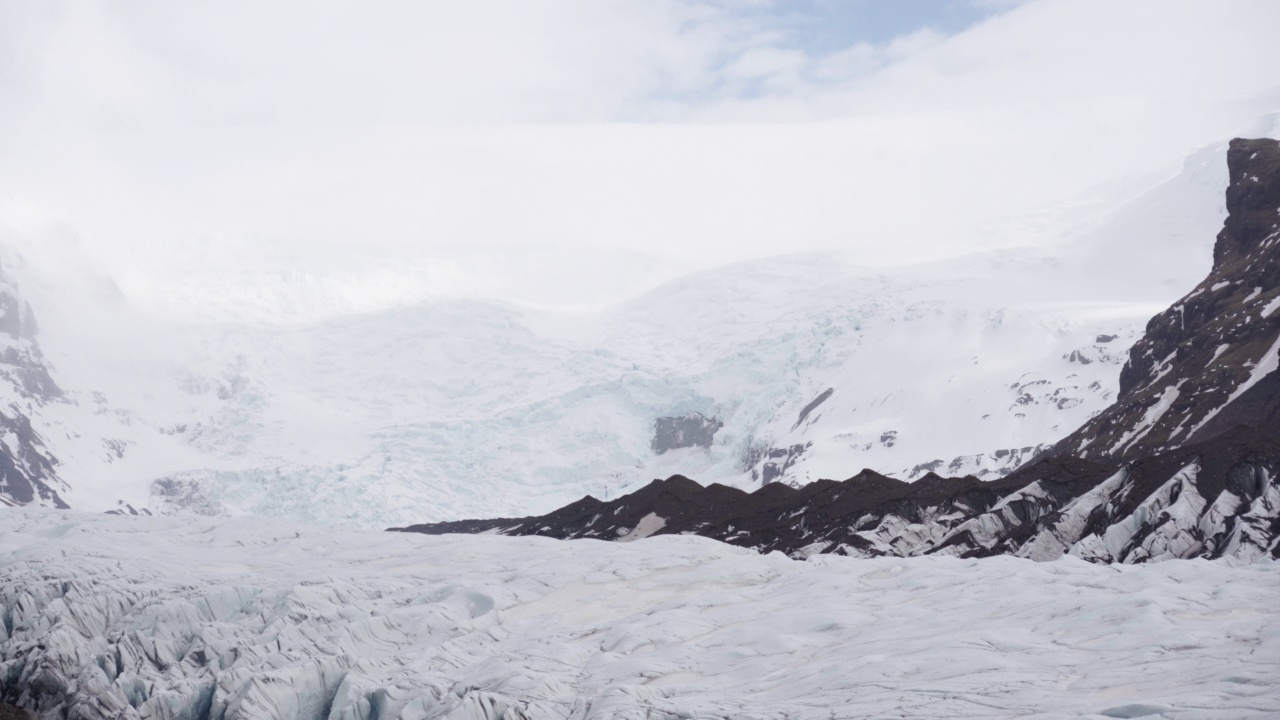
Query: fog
(313, 159)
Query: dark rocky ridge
(813, 405)
(1184, 464)
(1205, 500)
(27, 469)
(1196, 355)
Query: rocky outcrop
(27, 473)
(1182, 465)
(27, 467)
(770, 464)
(1213, 499)
(1209, 362)
(813, 405)
(984, 466)
(684, 431)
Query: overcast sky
(573, 150)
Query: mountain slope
(386, 417)
(1213, 499)
(1208, 362)
(28, 469)
(778, 370)
(1149, 497)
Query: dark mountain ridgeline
(1220, 500)
(1182, 465)
(1195, 356)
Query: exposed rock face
(27, 472)
(692, 430)
(1213, 499)
(1183, 465)
(987, 466)
(813, 405)
(27, 468)
(21, 362)
(771, 464)
(1209, 362)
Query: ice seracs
(802, 367)
(180, 619)
(1128, 486)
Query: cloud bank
(575, 150)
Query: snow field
(409, 408)
(256, 618)
(418, 414)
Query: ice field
(253, 618)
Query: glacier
(221, 619)
(401, 416)
(428, 409)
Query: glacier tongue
(382, 414)
(165, 618)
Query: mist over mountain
(800, 367)
(709, 359)
(1209, 494)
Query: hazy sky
(573, 150)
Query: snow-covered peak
(794, 368)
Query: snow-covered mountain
(1206, 500)
(66, 440)
(1122, 488)
(441, 410)
(28, 470)
(1209, 362)
(792, 369)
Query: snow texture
(403, 415)
(443, 408)
(464, 408)
(123, 617)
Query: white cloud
(192, 137)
